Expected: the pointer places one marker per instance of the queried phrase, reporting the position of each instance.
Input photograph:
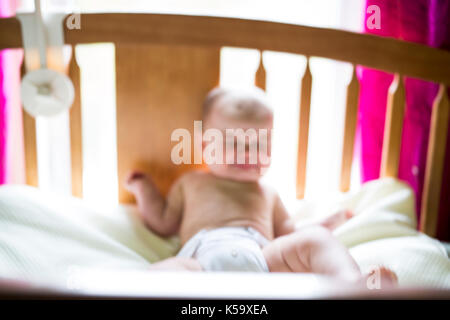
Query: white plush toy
(46, 92)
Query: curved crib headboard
(178, 57)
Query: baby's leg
(313, 250)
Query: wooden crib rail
(386, 54)
(176, 36)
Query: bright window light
(98, 99)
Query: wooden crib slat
(260, 75)
(393, 128)
(29, 135)
(29, 132)
(76, 150)
(435, 163)
(303, 130)
(351, 115)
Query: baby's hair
(210, 99)
(249, 104)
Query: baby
(226, 218)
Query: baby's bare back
(212, 202)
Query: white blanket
(43, 238)
(383, 232)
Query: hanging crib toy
(44, 92)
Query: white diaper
(227, 249)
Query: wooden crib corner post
(303, 130)
(393, 126)
(435, 163)
(260, 75)
(351, 116)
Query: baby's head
(245, 119)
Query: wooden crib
(165, 64)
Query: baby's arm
(282, 223)
(161, 215)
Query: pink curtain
(11, 140)
(425, 22)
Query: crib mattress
(50, 241)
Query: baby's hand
(134, 180)
(336, 219)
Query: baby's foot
(381, 278)
(335, 220)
